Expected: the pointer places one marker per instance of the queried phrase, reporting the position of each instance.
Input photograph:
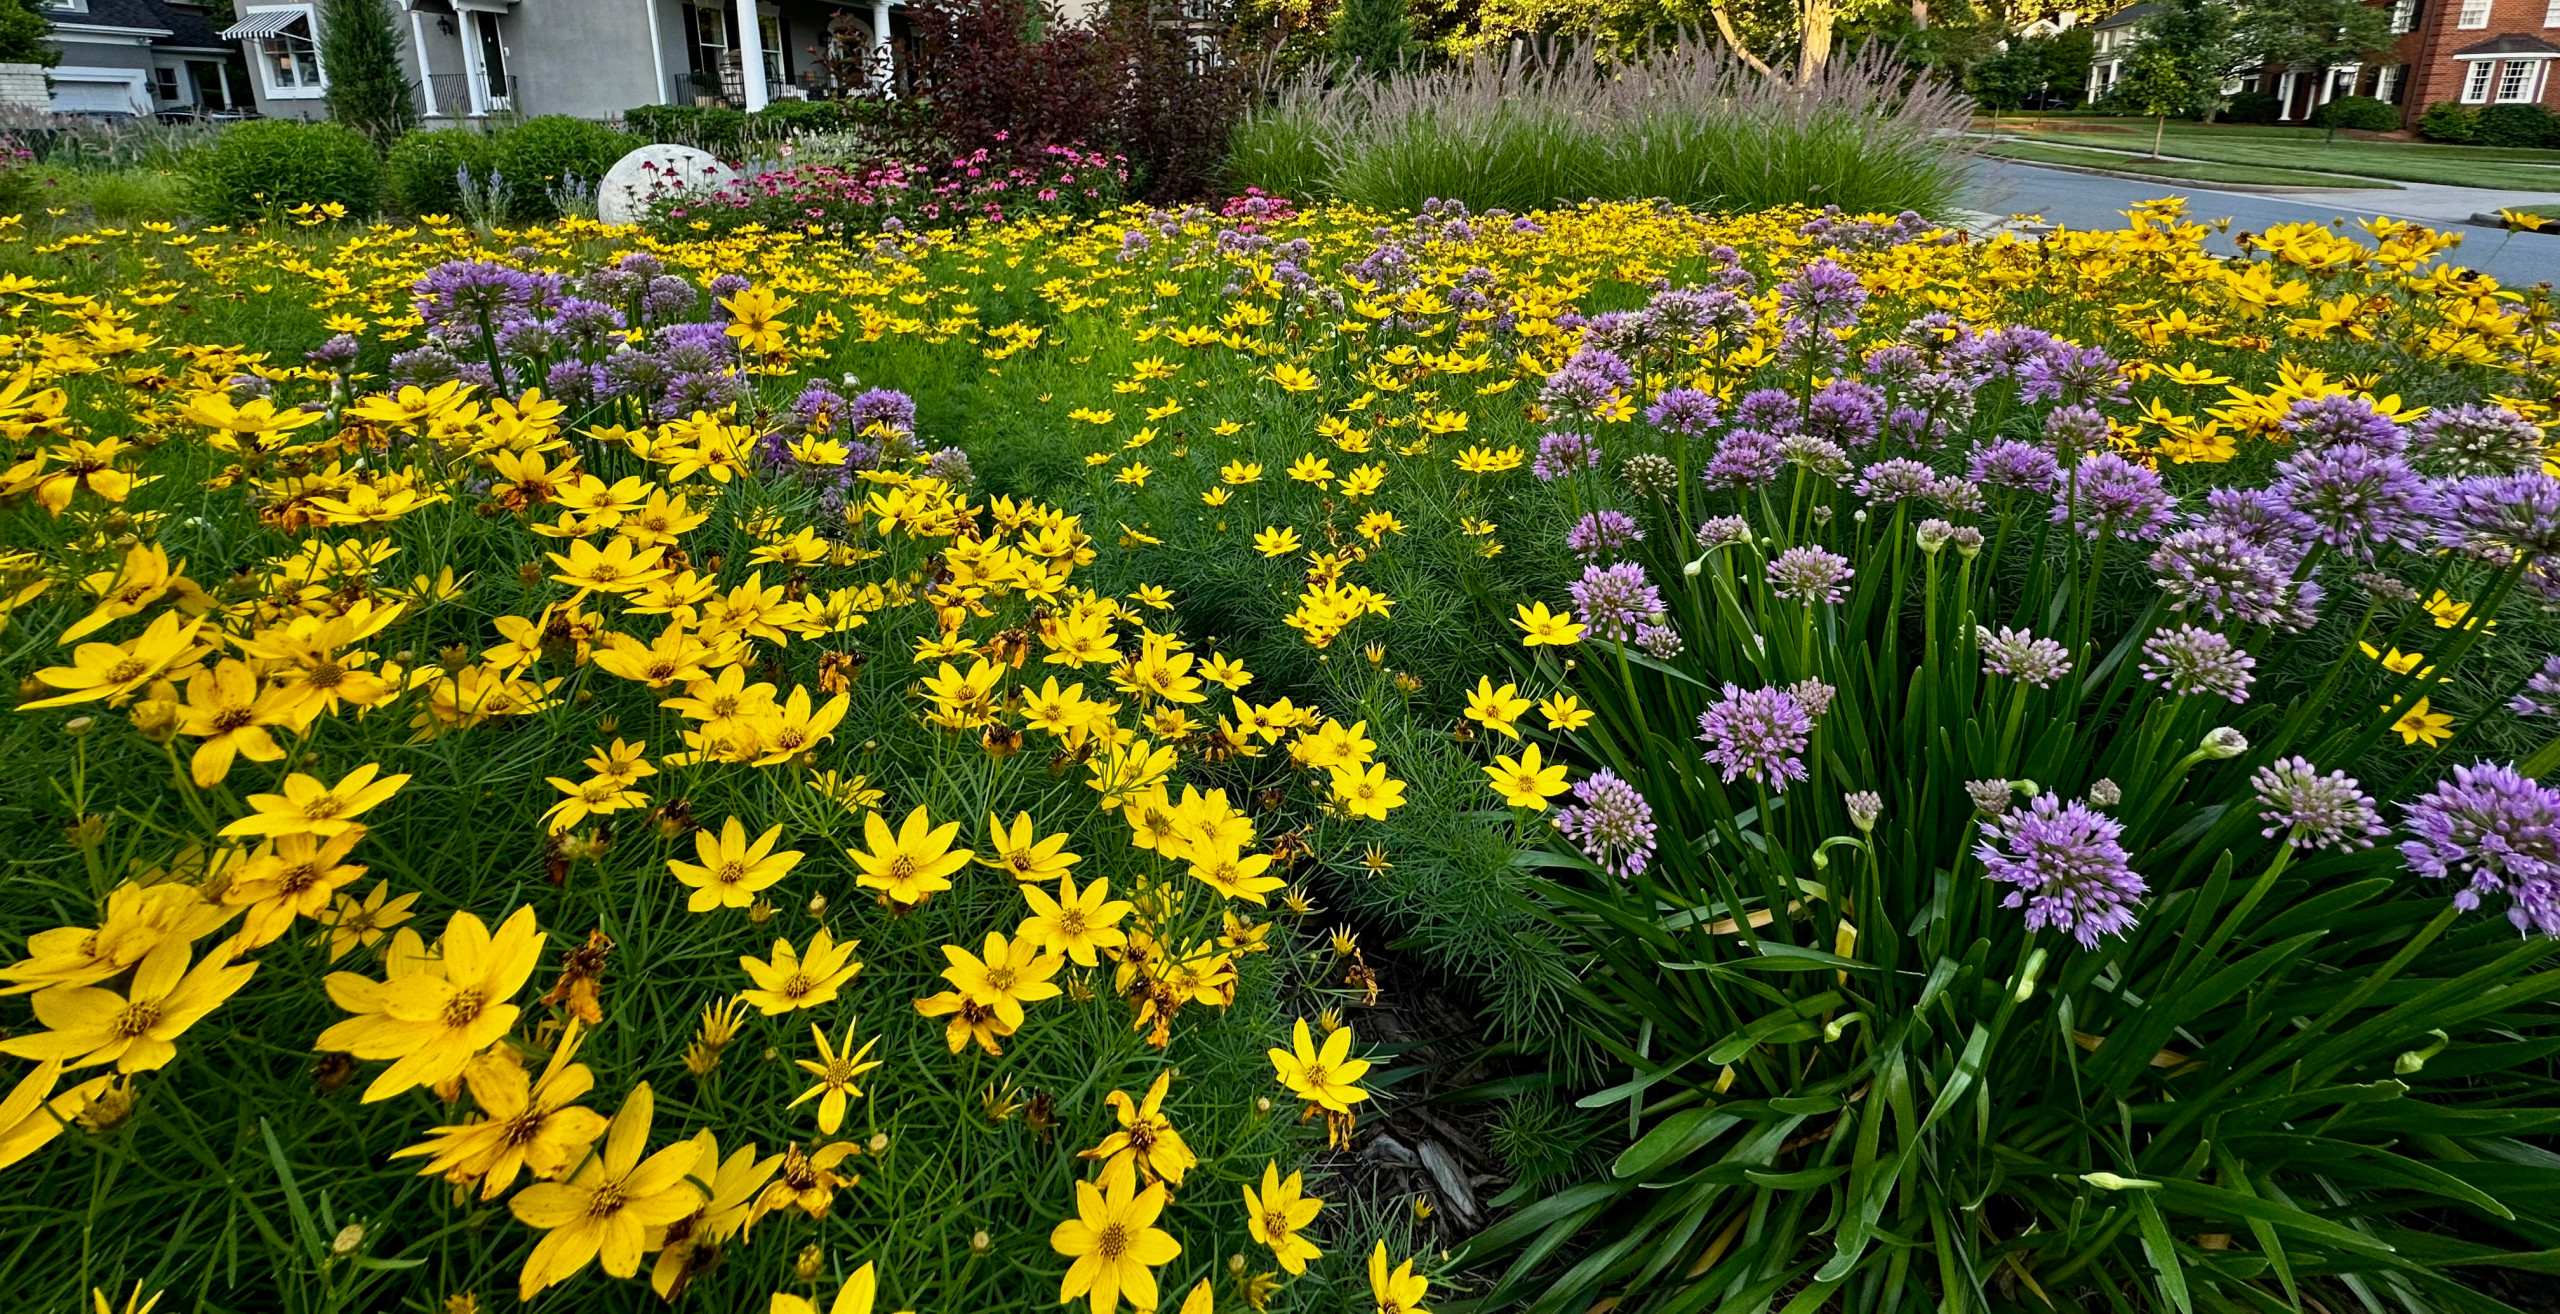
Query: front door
(211, 94)
(493, 60)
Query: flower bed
(1850, 700)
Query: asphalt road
(2080, 200)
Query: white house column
(426, 75)
(475, 82)
(882, 76)
(751, 54)
(657, 52)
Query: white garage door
(77, 95)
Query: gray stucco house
(142, 58)
(589, 58)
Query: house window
(2475, 13)
(290, 57)
(164, 82)
(2386, 84)
(2515, 81)
(2404, 15)
(769, 27)
(2551, 16)
(708, 25)
(2475, 84)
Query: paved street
(2082, 200)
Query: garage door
(76, 95)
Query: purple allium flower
(1956, 494)
(1586, 381)
(1887, 482)
(423, 367)
(1613, 600)
(2257, 515)
(1717, 531)
(1991, 798)
(724, 286)
(1847, 412)
(2501, 516)
(1894, 362)
(951, 466)
(2022, 656)
(2475, 439)
(2069, 865)
(2192, 661)
(335, 354)
(1772, 409)
(1822, 295)
(2070, 374)
(2314, 811)
(1560, 454)
(1809, 574)
(464, 293)
(574, 383)
(1760, 733)
(2009, 463)
(2211, 569)
(2111, 495)
(1819, 456)
(1682, 313)
(700, 390)
(1746, 458)
(666, 297)
(1815, 695)
(893, 411)
(1684, 411)
(587, 326)
(2541, 696)
(1864, 807)
(2318, 424)
(2352, 497)
(1660, 642)
(1610, 822)
(2498, 833)
(2076, 429)
(1650, 474)
(1602, 532)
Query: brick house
(2470, 52)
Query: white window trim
(266, 73)
(2551, 15)
(2404, 14)
(2528, 89)
(2474, 15)
(2477, 79)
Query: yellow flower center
(1275, 1224)
(1112, 1241)
(607, 1200)
(298, 877)
(462, 1008)
(322, 806)
(901, 867)
(1317, 1076)
(126, 671)
(729, 873)
(796, 986)
(1071, 921)
(137, 1019)
(999, 978)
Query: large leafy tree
(2310, 34)
(22, 30)
(360, 54)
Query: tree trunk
(1816, 46)
(1733, 39)
(2159, 129)
(1919, 15)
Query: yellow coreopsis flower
(1022, 856)
(228, 709)
(1116, 1247)
(836, 1071)
(691, 1245)
(1146, 1143)
(1075, 924)
(429, 1016)
(31, 1115)
(1525, 781)
(1367, 793)
(355, 924)
(910, 866)
(1399, 1290)
(1564, 712)
(134, 1029)
(607, 1208)
(1539, 626)
(1324, 1078)
(295, 876)
(1232, 872)
(1276, 541)
(2423, 724)
(854, 1297)
(618, 567)
(307, 807)
(732, 871)
(524, 1123)
(1279, 1213)
(1003, 977)
(793, 981)
(1498, 710)
(114, 672)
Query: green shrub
(266, 165)
(2517, 125)
(2252, 107)
(2449, 123)
(717, 129)
(2362, 113)
(555, 152)
(124, 196)
(419, 176)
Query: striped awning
(262, 23)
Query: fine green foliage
(422, 173)
(1685, 123)
(2517, 125)
(1372, 37)
(22, 30)
(367, 89)
(266, 166)
(2447, 122)
(546, 159)
(2038, 152)
(2363, 113)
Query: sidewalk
(2429, 203)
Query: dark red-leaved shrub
(1144, 81)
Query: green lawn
(2307, 149)
(2182, 170)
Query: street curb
(2271, 189)
(2493, 221)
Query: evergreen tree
(22, 30)
(1373, 35)
(360, 55)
